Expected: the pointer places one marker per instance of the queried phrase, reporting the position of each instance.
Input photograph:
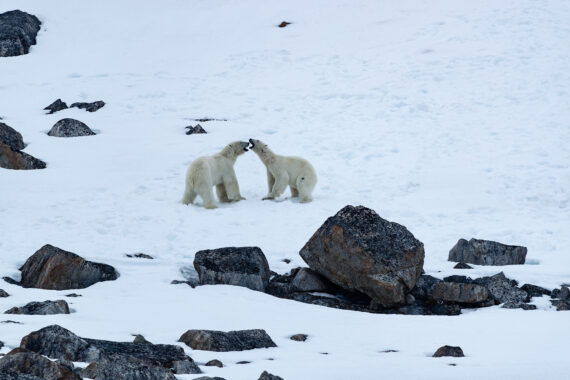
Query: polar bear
(296, 172)
(216, 170)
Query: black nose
(251, 142)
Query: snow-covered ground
(448, 117)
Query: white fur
(296, 172)
(216, 170)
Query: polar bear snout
(252, 142)
(244, 145)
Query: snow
(448, 117)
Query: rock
(58, 105)
(59, 343)
(3, 293)
(456, 352)
(70, 128)
(16, 160)
(9, 375)
(11, 137)
(358, 250)
(283, 24)
(286, 261)
(91, 107)
(189, 283)
(41, 308)
(14, 322)
(244, 266)
(73, 295)
(126, 368)
(53, 268)
(518, 305)
(209, 378)
(267, 376)
(141, 256)
(460, 293)
(214, 363)
(299, 337)
(243, 362)
(18, 31)
(181, 367)
(195, 130)
(462, 266)
(140, 339)
(205, 119)
(486, 252)
(30, 363)
(220, 341)
(307, 280)
(564, 293)
(502, 289)
(424, 286)
(561, 305)
(535, 291)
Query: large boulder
(243, 266)
(31, 363)
(211, 340)
(486, 252)
(70, 128)
(18, 31)
(11, 137)
(358, 250)
(41, 308)
(129, 368)
(53, 268)
(16, 160)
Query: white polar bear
(296, 172)
(216, 170)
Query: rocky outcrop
(307, 280)
(125, 368)
(70, 128)
(220, 341)
(16, 160)
(195, 130)
(244, 266)
(358, 250)
(11, 137)
(486, 252)
(18, 31)
(90, 107)
(460, 293)
(30, 363)
(267, 376)
(453, 351)
(10, 375)
(502, 289)
(535, 291)
(56, 106)
(53, 268)
(41, 308)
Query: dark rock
(58, 105)
(9, 375)
(181, 367)
(3, 293)
(502, 289)
(140, 339)
(70, 128)
(449, 351)
(73, 295)
(388, 351)
(11, 281)
(424, 286)
(286, 261)
(31, 363)
(486, 252)
(141, 256)
(16, 160)
(244, 266)
(299, 337)
(518, 305)
(267, 376)
(462, 266)
(307, 280)
(18, 31)
(126, 368)
(14, 322)
(283, 24)
(195, 130)
(214, 363)
(53, 268)
(210, 340)
(459, 279)
(91, 107)
(11, 137)
(41, 308)
(564, 293)
(243, 362)
(460, 293)
(561, 305)
(189, 283)
(358, 250)
(209, 378)
(205, 119)
(535, 291)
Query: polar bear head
(234, 149)
(258, 146)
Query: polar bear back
(209, 168)
(294, 166)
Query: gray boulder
(16, 160)
(11, 137)
(125, 368)
(460, 293)
(307, 280)
(3, 294)
(10, 375)
(502, 289)
(220, 341)
(267, 376)
(41, 308)
(18, 31)
(486, 252)
(90, 107)
(70, 128)
(453, 351)
(58, 105)
(30, 363)
(53, 268)
(299, 337)
(535, 291)
(214, 363)
(244, 266)
(358, 250)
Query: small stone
(299, 337)
(140, 339)
(518, 305)
(462, 266)
(73, 295)
(449, 351)
(267, 376)
(41, 308)
(141, 256)
(283, 24)
(195, 130)
(3, 293)
(214, 363)
(70, 128)
(209, 378)
(243, 362)
(90, 107)
(286, 261)
(535, 291)
(58, 105)
(389, 351)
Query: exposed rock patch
(41, 308)
(462, 266)
(11, 137)
(453, 351)
(535, 291)
(70, 128)
(56, 106)
(267, 376)
(16, 160)
(460, 293)
(307, 280)
(214, 363)
(299, 337)
(141, 256)
(18, 31)
(90, 107)
(283, 24)
(211, 340)
(30, 363)
(197, 129)
(486, 252)
(3, 293)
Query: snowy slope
(448, 117)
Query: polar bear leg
(205, 191)
(305, 185)
(189, 195)
(232, 188)
(279, 186)
(270, 181)
(222, 194)
(294, 192)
